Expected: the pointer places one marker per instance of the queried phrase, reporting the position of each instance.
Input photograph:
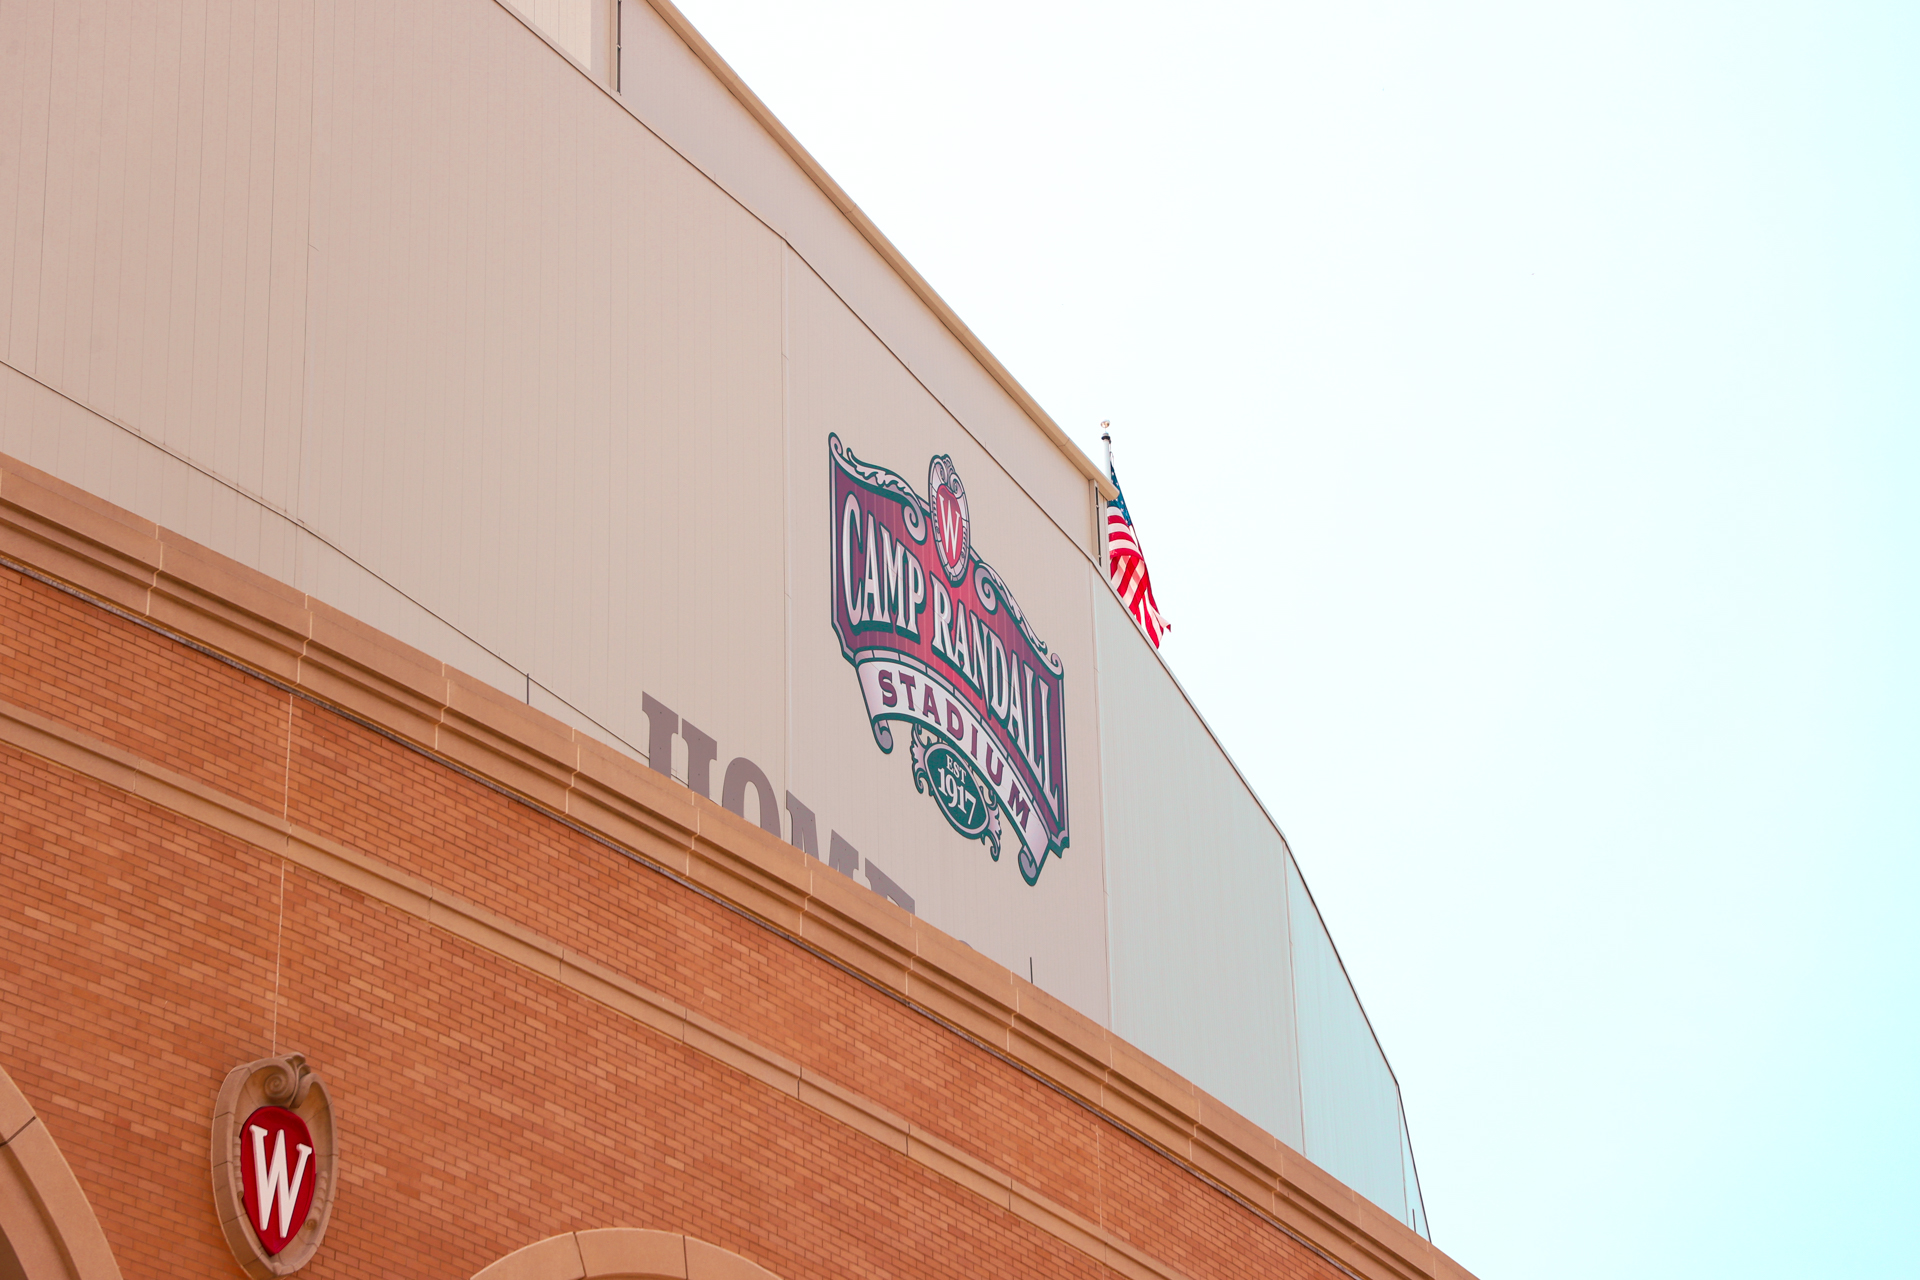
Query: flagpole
(1107, 436)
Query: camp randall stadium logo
(941, 648)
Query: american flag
(1126, 566)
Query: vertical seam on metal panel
(786, 504)
(1289, 874)
(1106, 820)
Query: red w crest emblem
(277, 1171)
(952, 526)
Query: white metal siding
(1350, 1104)
(1196, 891)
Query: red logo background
(950, 532)
(277, 1121)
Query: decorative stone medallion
(275, 1164)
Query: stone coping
(180, 586)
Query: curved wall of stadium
(550, 990)
(534, 364)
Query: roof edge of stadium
(817, 174)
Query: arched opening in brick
(47, 1227)
(623, 1253)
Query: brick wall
(482, 1105)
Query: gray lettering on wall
(884, 886)
(701, 751)
(741, 774)
(842, 857)
(806, 835)
(662, 724)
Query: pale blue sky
(1520, 406)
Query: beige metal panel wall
(1350, 1103)
(385, 242)
(153, 206)
(545, 373)
(1221, 965)
(527, 411)
(50, 431)
(676, 94)
(841, 380)
(1202, 974)
(570, 24)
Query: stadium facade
(548, 678)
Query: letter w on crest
(271, 1186)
